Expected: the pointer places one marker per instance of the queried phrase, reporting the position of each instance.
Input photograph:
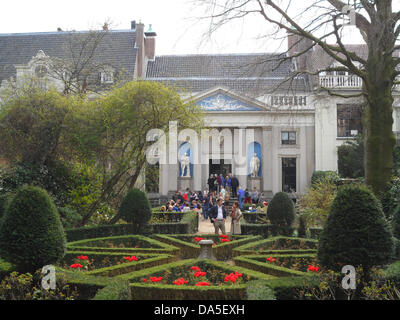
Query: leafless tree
(314, 22)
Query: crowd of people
(210, 202)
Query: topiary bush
(135, 209)
(356, 231)
(31, 233)
(281, 210)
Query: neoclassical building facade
(254, 106)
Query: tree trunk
(378, 121)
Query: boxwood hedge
(145, 291)
(253, 247)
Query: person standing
(218, 217)
(254, 195)
(240, 195)
(234, 184)
(236, 215)
(210, 183)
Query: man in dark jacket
(218, 216)
(234, 184)
(210, 183)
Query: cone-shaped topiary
(356, 232)
(135, 208)
(281, 210)
(31, 233)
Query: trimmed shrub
(31, 233)
(135, 209)
(281, 210)
(286, 288)
(331, 176)
(356, 231)
(302, 229)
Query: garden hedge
(188, 224)
(250, 262)
(286, 288)
(126, 267)
(144, 291)
(97, 288)
(222, 251)
(158, 247)
(251, 248)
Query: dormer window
(107, 77)
(40, 71)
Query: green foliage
(330, 176)
(356, 231)
(29, 287)
(286, 288)
(281, 210)
(316, 203)
(32, 124)
(302, 229)
(390, 199)
(396, 222)
(69, 217)
(351, 158)
(55, 176)
(31, 233)
(135, 208)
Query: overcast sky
(174, 21)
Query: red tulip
(195, 268)
(76, 265)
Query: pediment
(222, 100)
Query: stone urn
(206, 250)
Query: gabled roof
(247, 73)
(116, 49)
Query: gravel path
(207, 227)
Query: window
(107, 77)
(289, 174)
(288, 137)
(349, 120)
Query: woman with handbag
(236, 215)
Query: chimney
(141, 50)
(133, 25)
(150, 44)
(296, 45)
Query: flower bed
(190, 248)
(191, 279)
(111, 263)
(278, 245)
(129, 243)
(280, 265)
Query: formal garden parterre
(153, 259)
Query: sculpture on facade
(254, 166)
(185, 164)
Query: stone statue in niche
(185, 164)
(254, 166)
